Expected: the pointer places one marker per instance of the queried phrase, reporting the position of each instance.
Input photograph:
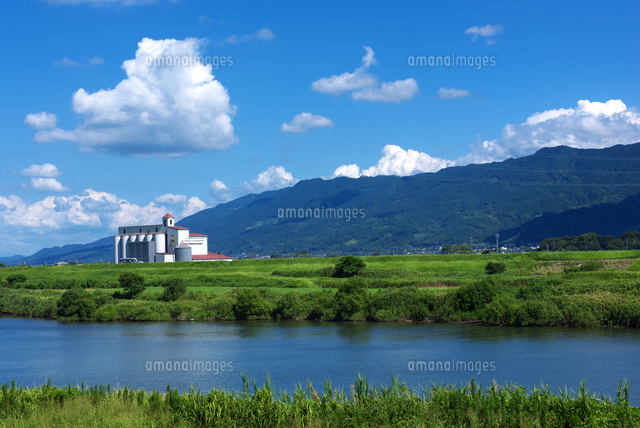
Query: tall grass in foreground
(363, 405)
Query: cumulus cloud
(396, 161)
(351, 171)
(42, 120)
(82, 217)
(346, 82)
(486, 31)
(274, 178)
(47, 185)
(364, 86)
(588, 125)
(263, 35)
(99, 202)
(44, 170)
(192, 206)
(171, 199)
(169, 105)
(219, 192)
(304, 122)
(452, 93)
(389, 92)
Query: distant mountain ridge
(543, 192)
(452, 205)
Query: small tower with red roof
(167, 220)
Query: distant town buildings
(161, 243)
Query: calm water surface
(32, 351)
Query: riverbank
(583, 289)
(362, 405)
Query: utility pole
(497, 243)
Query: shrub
(493, 268)
(15, 279)
(349, 266)
(350, 298)
(250, 305)
(76, 303)
(323, 306)
(107, 312)
(102, 297)
(174, 288)
(474, 296)
(289, 306)
(132, 283)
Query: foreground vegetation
(364, 405)
(525, 289)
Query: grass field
(419, 270)
(364, 405)
(580, 288)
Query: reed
(362, 405)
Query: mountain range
(555, 192)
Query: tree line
(592, 242)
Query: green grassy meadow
(573, 288)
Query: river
(206, 355)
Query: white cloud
(220, 193)
(47, 185)
(364, 86)
(44, 170)
(396, 161)
(389, 92)
(351, 171)
(263, 35)
(42, 120)
(99, 202)
(161, 109)
(304, 122)
(192, 206)
(452, 93)
(67, 62)
(274, 178)
(589, 125)
(346, 82)
(486, 31)
(171, 199)
(83, 217)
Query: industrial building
(162, 243)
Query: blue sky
(96, 134)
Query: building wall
(198, 245)
(164, 258)
(136, 230)
(144, 251)
(183, 235)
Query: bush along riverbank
(363, 405)
(521, 290)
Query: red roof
(179, 227)
(210, 256)
(196, 234)
(167, 215)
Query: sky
(115, 112)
